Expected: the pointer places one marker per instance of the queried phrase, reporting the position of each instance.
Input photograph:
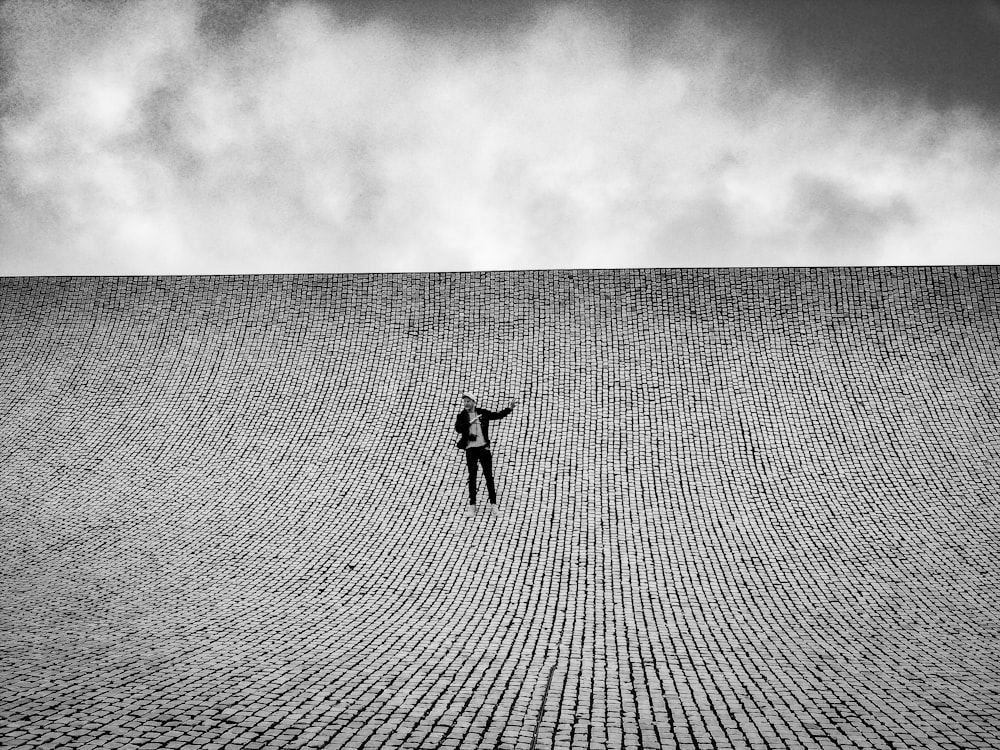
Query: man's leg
(488, 473)
(470, 461)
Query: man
(473, 424)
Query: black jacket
(485, 415)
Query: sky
(183, 137)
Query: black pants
(474, 457)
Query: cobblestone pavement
(738, 509)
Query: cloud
(989, 11)
(836, 218)
(157, 137)
(941, 54)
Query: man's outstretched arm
(502, 413)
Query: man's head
(469, 400)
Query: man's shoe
(493, 509)
(471, 510)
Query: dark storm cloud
(944, 52)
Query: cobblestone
(738, 509)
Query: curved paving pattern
(738, 509)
